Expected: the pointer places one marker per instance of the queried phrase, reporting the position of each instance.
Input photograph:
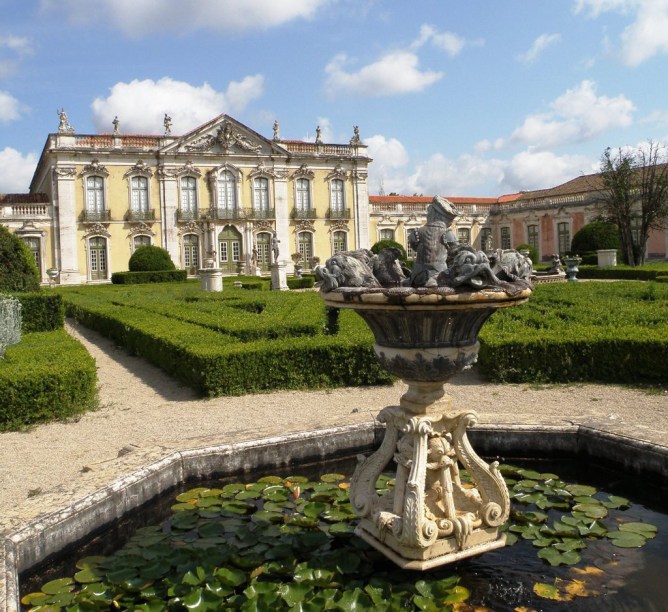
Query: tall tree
(633, 194)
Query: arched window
(35, 248)
(336, 201)
(263, 246)
(97, 258)
(464, 235)
(261, 195)
(303, 195)
(227, 191)
(386, 234)
(139, 194)
(140, 241)
(486, 239)
(305, 243)
(191, 253)
(340, 242)
(94, 194)
(188, 197)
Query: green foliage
(138, 278)
(47, 376)
(641, 273)
(608, 332)
(231, 343)
(389, 244)
(533, 253)
(18, 271)
(286, 544)
(595, 236)
(42, 311)
(150, 258)
(305, 282)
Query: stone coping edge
(50, 533)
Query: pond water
(281, 543)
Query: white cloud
(20, 47)
(141, 17)
(394, 73)
(531, 169)
(16, 170)
(646, 36)
(141, 105)
(449, 42)
(576, 116)
(660, 118)
(389, 155)
(539, 45)
(10, 108)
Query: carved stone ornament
(96, 229)
(262, 170)
(226, 138)
(337, 173)
(303, 171)
(140, 168)
(304, 225)
(95, 167)
(262, 225)
(338, 224)
(141, 229)
(65, 171)
(360, 175)
(190, 228)
(29, 228)
(188, 168)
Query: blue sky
(476, 98)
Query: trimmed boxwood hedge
(157, 276)
(605, 332)
(47, 376)
(644, 273)
(232, 343)
(41, 311)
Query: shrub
(306, 282)
(389, 244)
(138, 278)
(18, 271)
(43, 311)
(47, 376)
(595, 236)
(620, 273)
(533, 253)
(150, 258)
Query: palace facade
(220, 193)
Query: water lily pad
(87, 575)
(626, 539)
(271, 480)
(268, 516)
(547, 591)
(458, 594)
(230, 490)
(332, 477)
(579, 489)
(615, 501)
(555, 557)
(61, 585)
(231, 577)
(595, 511)
(647, 530)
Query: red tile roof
(24, 198)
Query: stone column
(169, 202)
(361, 208)
(282, 217)
(66, 211)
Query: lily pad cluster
(288, 544)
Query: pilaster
(66, 213)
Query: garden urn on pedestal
(426, 330)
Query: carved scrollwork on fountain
(426, 324)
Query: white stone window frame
(182, 245)
(97, 232)
(181, 190)
(409, 225)
(139, 170)
(483, 230)
(94, 169)
(333, 232)
(331, 182)
(562, 216)
(238, 179)
(271, 190)
(509, 227)
(311, 233)
(41, 236)
(309, 192)
(133, 240)
(530, 220)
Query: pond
(580, 537)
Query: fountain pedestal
(431, 517)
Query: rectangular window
(532, 236)
(188, 194)
(505, 238)
(139, 186)
(94, 194)
(223, 251)
(386, 234)
(563, 237)
(464, 235)
(236, 250)
(636, 229)
(486, 239)
(409, 250)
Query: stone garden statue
(274, 247)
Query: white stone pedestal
(211, 279)
(278, 277)
(607, 257)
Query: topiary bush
(389, 244)
(150, 258)
(18, 271)
(595, 236)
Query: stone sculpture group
(440, 262)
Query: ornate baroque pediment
(140, 168)
(187, 168)
(304, 225)
(97, 229)
(303, 172)
(65, 171)
(141, 229)
(337, 173)
(227, 138)
(190, 228)
(339, 224)
(263, 226)
(95, 167)
(262, 170)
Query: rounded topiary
(389, 244)
(594, 236)
(150, 258)
(18, 271)
(533, 253)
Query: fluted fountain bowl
(424, 335)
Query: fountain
(426, 323)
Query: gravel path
(142, 409)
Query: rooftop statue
(441, 263)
